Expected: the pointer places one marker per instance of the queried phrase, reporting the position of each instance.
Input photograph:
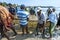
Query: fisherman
(12, 11)
(53, 21)
(41, 22)
(24, 18)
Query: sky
(55, 3)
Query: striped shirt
(23, 15)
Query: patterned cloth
(6, 16)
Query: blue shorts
(23, 25)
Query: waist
(24, 23)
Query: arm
(27, 16)
(11, 15)
(14, 11)
(27, 19)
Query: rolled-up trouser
(39, 26)
(51, 28)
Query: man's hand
(27, 19)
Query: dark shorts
(24, 25)
(58, 23)
(40, 25)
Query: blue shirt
(53, 17)
(23, 15)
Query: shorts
(40, 25)
(23, 25)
